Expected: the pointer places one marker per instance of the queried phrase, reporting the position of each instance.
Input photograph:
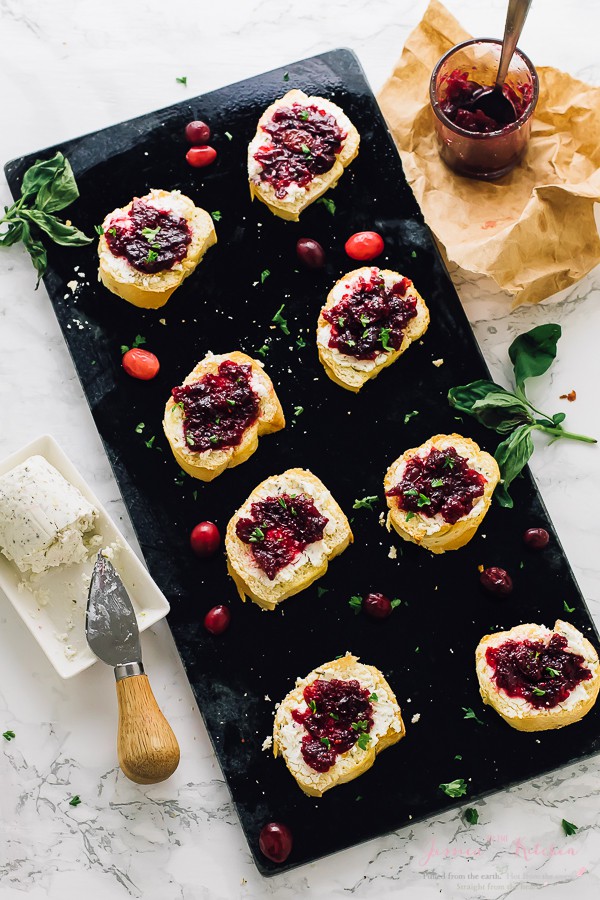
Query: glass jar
(481, 154)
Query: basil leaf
(60, 191)
(42, 172)
(36, 251)
(501, 411)
(67, 235)
(532, 353)
(512, 456)
(465, 396)
(14, 233)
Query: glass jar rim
(482, 135)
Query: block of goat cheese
(44, 520)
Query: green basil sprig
(48, 186)
(511, 413)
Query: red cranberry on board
(140, 364)
(198, 157)
(536, 538)
(275, 841)
(217, 619)
(205, 539)
(310, 253)
(364, 245)
(378, 606)
(197, 132)
(496, 581)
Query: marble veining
(69, 69)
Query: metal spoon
(492, 101)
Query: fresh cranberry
(276, 841)
(496, 581)
(197, 132)
(205, 539)
(536, 538)
(217, 619)
(198, 157)
(310, 253)
(140, 364)
(364, 245)
(378, 606)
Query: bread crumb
(267, 743)
(163, 321)
(267, 698)
(72, 285)
(480, 568)
(393, 554)
(382, 519)
(437, 362)
(415, 718)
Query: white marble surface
(72, 67)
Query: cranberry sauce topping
(150, 239)
(338, 713)
(460, 94)
(544, 675)
(279, 530)
(441, 482)
(371, 318)
(218, 408)
(305, 141)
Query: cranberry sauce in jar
(460, 92)
(305, 141)
(150, 239)
(441, 482)
(543, 674)
(371, 318)
(219, 408)
(338, 713)
(279, 529)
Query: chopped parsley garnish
(364, 320)
(411, 492)
(98, 229)
(384, 336)
(306, 150)
(469, 714)
(568, 608)
(361, 725)
(373, 698)
(257, 535)
(355, 603)
(326, 742)
(410, 416)
(298, 410)
(328, 204)
(341, 322)
(150, 233)
(437, 482)
(458, 756)
(213, 437)
(228, 135)
(264, 275)
(262, 351)
(456, 788)
(312, 706)
(304, 114)
(75, 801)
(8, 735)
(539, 692)
(189, 440)
(286, 76)
(471, 816)
(112, 231)
(569, 828)
(278, 319)
(395, 602)
(152, 256)
(351, 343)
(321, 591)
(364, 740)
(334, 716)
(413, 254)
(139, 427)
(182, 79)
(554, 673)
(150, 442)
(216, 215)
(448, 463)
(423, 500)
(282, 502)
(409, 516)
(195, 495)
(230, 401)
(300, 342)
(365, 502)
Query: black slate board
(426, 648)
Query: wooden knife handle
(147, 748)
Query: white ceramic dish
(54, 611)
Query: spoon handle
(515, 19)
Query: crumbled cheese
(393, 554)
(437, 362)
(72, 285)
(267, 743)
(415, 718)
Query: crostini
(283, 537)
(330, 728)
(438, 494)
(301, 147)
(538, 678)
(370, 318)
(214, 419)
(150, 246)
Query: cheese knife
(147, 749)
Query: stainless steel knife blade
(111, 627)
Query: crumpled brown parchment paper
(532, 231)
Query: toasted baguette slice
(517, 711)
(347, 371)
(251, 581)
(433, 532)
(388, 727)
(151, 291)
(208, 464)
(298, 198)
